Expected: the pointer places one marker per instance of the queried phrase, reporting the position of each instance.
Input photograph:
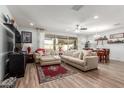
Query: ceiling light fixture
(96, 36)
(96, 17)
(31, 24)
(77, 30)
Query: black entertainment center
(17, 65)
(14, 62)
(16, 32)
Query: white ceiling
(61, 18)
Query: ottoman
(50, 60)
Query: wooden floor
(106, 76)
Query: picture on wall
(116, 38)
(118, 35)
(26, 37)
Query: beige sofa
(47, 60)
(81, 60)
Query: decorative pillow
(40, 52)
(52, 52)
(94, 53)
(65, 52)
(76, 54)
(87, 52)
(47, 52)
(81, 55)
(68, 53)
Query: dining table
(103, 55)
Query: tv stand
(17, 65)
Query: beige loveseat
(81, 60)
(48, 59)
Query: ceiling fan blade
(77, 7)
(83, 28)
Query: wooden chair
(101, 55)
(107, 52)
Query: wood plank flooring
(110, 75)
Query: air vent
(117, 24)
(37, 28)
(83, 28)
(77, 7)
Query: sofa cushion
(74, 60)
(69, 52)
(74, 53)
(51, 52)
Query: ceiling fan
(77, 7)
(79, 28)
(38, 28)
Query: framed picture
(26, 37)
(118, 35)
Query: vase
(29, 50)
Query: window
(55, 42)
(48, 42)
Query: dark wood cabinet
(17, 65)
(29, 58)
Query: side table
(29, 58)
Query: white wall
(116, 50)
(37, 38)
(81, 41)
(5, 11)
(62, 33)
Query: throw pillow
(40, 52)
(76, 54)
(81, 55)
(87, 52)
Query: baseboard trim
(116, 60)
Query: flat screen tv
(6, 47)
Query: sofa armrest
(91, 61)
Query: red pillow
(41, 51)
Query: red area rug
(53, 72)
